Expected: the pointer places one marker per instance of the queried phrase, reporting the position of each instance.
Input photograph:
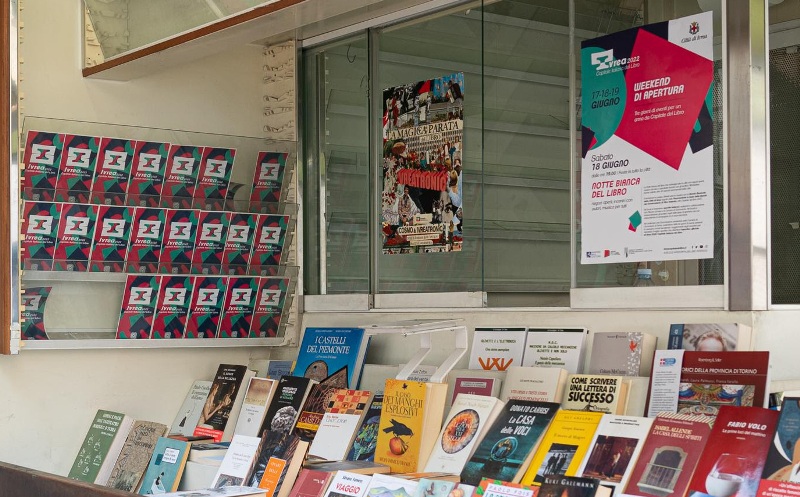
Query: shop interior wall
(48, 398)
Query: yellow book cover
(409, 425)
(563, 446)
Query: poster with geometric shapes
(647, 183)
(421, 198)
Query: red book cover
(113, 170)
(111, 236)
(183, 164)
(710, 380)
(268, 179)
(179, 239)
(473, 386)
(212, 230)
(669, 456)
(239, 243)
(147, 173)
(76, 168)
(771, 488)
(733, 458)
(310, 483)
(269, 242)
(172, 306)
(270, 303)
(39, 234)
(205, 309)
(147, 234)
(214, 177)
(237, 314)
(41, 161)
(75, 234)
(138, 306)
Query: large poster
(647, 185)
(421, 203)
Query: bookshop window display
(514, 155)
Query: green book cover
(166, 467)
(95, 446)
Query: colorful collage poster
(423, 130)
(647, 184)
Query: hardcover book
(466, 424)
(239, 243)
(112, 173)
(366, 436)
(624, 353)
(218, 408)
(546, 384)
(256, 400)
(410, 421)
(710, 337)
(783, 458)
(180, 236)
(337, 429)
(75, 233)
(556, 348)
(76, 168)
(269, 242)
(39, 235)
(497, 348)
(33, 301)
(348, 484)
(238, 462)
(734, 456)
(310, 483)
(506, 450)
(147, 173)
(499, 488)
(135, 455)
(270, 306)
(183, 163)
(208, 297)
(189, 412)
(325, 350)
(214, 177)
(166, 467)
(41, 160)
(614, 449)
(710, 380)
(100, 447)
(268, 179)
(669, 456)
(211, 233)
(314, 406)
(240, 300)
(599, 393)
(563, 446)
(172, 306)
(147, 234)
(138, 306)
(112, 235)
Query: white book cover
(534, 383)
(556, 348)
(238, 461)
(189, 413)
(614, 449)
(497, 348)
(382, 484)
(465, 425)
(347, 484)
(342, 417)
(624, 353)
(254, 407)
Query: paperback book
(572, 486)
(268, 179)
(282, 468)
(219, 404)
(315, 405)
(172, 306)
(166, 467)
(622, 353)
(238, 462)
(382, 485)
(214, 177)
(32, 316)
(546, 384)
(710, 337)
(497, 348)
(256, 400)
(239, 243)
(138, 307)
(112, 235)
(285, 406)
(556, 347)
(183, 163)
(147, 173)
(271, 233)
(310, 483)
(41, 160)
(189, 412)
(76, 168)
(270, 306)
(337, 429)
(347, 484)
(325, 350)
(499, 488)
(147, 233)
(100, 447)
(179, 241)
(366, 437)
(112, 174)
(211, 233)
(39, 234)
(208, 298)
(240, 300)
(599, 393)
(75, 232)
(135, 455)
(783, 457)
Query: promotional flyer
(647, 184)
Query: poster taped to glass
(423, 130)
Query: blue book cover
(327, 350)
(166, 467)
